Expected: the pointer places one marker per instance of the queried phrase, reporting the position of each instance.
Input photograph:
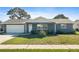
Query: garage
(14, 28)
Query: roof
(76, 22)
(15, 21)
(23, 21)
(62, 21)
(36, 20)
(39, 20)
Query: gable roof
(39, 20)
(36, 20)
(62, 21)
(15, 21)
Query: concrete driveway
(5, 37)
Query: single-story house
(39, 23)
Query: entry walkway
(39, 46)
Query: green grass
(77, 32)
(39, 50)
(56, 39)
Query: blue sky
(48, 12)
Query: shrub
(77, 29)
(63, 32)
(42, 33)
(33, 32)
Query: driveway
(4, 38)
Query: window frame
(42, 27)
(63, 26)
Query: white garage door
(15, 28)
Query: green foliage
(63, 32)
(33, 32)
(41, 33)
(60, 16)
(18, 13)
(77, 32)
(77, 29)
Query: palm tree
(18, 13)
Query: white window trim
(41, 27)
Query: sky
(48, 12)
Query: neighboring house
(39, 23)
(1, 27)
(76, 25)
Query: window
(42, 26)
(63, 26)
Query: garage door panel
(15, 28)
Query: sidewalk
(39, 46)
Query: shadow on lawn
(38, 36)
(34, 36)
(30, 36)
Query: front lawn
(54, 39)
(39, 50)
(77, 32)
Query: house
(76, 25)
(39, 23)
(1, 27)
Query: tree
(60, 16)
(18, 13)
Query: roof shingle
(36, 20)
(15, 21)
(62, 21)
